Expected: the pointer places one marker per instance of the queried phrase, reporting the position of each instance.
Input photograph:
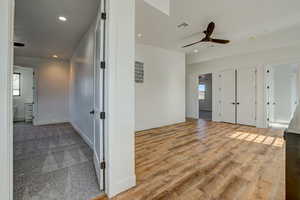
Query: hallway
(52, 162)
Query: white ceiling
(272, 23)
(37, 24)
(250, 22)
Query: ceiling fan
(208, 32)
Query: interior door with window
(227, 80)
(98, 125)
(246, 96)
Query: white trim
(83, 135)
(6, 134)
(98, 170)
(41, 123)
(121, 185)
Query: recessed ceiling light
(139, 35)
(62, 18)
(196, 50)
(55, 56)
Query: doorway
(23, 94)
(282, 94)
(237, 96)
(61, 154)
(205, 96)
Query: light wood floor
(209, 161)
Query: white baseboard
(160, 125)
(121, 186)
(83, 135)
(40, 123)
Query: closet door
(227, 87)
(246, 96)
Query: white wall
(258, 60)
(120, 96)
(298, 82)
(26, 84)
(160, 100)
(81, 87)
(52, 88)
(6, 132)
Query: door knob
(238, 103)
(92, 112)
(233, 103)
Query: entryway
(58, 100)
(281, 94)
(23, 94)
(205, 96)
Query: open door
(99, 114)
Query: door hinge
(102, 115)
(103, 16)
(102, 165)
(102, 65)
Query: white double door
(238, 96)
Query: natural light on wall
(162, 5)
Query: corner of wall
(83, 135)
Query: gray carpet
(207, 115)
(52, 163)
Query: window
(16, 84)
(201, 91)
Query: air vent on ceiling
(182, 25)
(19, 44)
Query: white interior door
(227, 87)
(246, 96)
(99, 106)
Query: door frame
(198, 101)
(35, 99)
(100, 23)
(6, 118)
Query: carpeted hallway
(52, 162)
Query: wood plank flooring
(206, 160)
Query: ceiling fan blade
(210, 29)
(192, 44)
(220, 41)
